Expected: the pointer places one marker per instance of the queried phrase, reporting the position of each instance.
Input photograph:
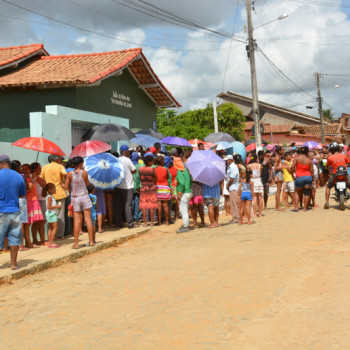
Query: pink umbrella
(195, 143)
(89, 148)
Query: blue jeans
(136, 212)
(10, 228)
(302, 181)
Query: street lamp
(251, 47)
(285, 15)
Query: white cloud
(196, 76)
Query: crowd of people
(39, 205)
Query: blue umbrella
(105, 171)
(238, 147)
(176, 141)
(147, 141)
(224, 145)
(206, 167)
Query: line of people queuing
(156, 189)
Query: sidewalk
(39, 259)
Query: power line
(229, 53)
(104, 35)
(321, 3)
(169, 17)
(290, 80)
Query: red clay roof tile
(316, 129)
(14, 54)
(87, 69)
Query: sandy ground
(282, 283)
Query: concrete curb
(69, 257)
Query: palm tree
(328, 115)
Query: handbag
(70, 206)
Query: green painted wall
(17, 104)
(119, 96)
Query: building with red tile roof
(117, 83)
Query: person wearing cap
(55, 173)
(152, 150)
(12, 187)
(232, 180)
(124, 192)
(341, 148)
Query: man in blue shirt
(211, 195)
(11, 188)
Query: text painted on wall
(121, 100)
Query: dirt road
(282, 283)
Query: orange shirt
(162, 176)
(337, 160)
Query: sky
(198, 47)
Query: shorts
(302, 181)
(279, 175)
(212, 201)
(257, 185)
(290, 187)
(23, 210)
(266, 187)
(51, 217)
(81, 203)
(163, 193)
(196, 200)
(246, 196)
(10, 228)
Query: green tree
(199, 123)
(328, 115)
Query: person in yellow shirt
(289, 181)
(55, 173)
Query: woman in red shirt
(163, 190)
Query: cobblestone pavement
(279, 284)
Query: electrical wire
(105, 35)
(321, 3)
(229, 53)
(169, 17)
(281, 72)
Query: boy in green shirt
(184, 190)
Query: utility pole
(216, 129)
(256, 115)
(320, 111)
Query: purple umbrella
(176, 141)
(311, 144)
(206, 167)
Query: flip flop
(54, 246)
(24, 249)
(16, 268)
(89, 245)
(76, 248)
(295, 210)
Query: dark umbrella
(111, 132)
(219, 136)
(253, 141)
(158, 135)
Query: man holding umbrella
(124, 192)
